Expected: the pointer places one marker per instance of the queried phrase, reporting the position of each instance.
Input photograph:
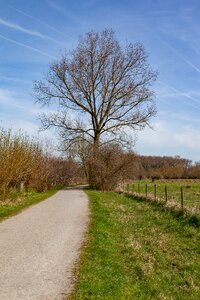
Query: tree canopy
(102, 90)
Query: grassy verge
(137, 251)
(26, 200)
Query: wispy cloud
(28, 123)
(182, 57)
(184, 94)
(170, 139)
(31, 32)
(188, 62)
(27, 46)
(13, 101)
(71, 16)
(36, 19)
(6, 98)
(181, 25)
(56, 6)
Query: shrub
(25, 163)
(109, 166)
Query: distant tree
(101, 90)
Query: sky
(34, 33)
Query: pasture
(178, 193)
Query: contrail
(27, 46)
(181, 56)
(180, 92)
(35, 19)
(183, 94)
(18, 27)
(172, 49)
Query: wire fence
(182, 196)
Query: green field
(135, 250)
(169, 191)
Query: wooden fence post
(138, 188)
(146, 190)
(166, 194)
(155, 191)
(182, 198)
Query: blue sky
(34, 33)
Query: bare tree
(101, 90)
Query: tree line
(25, 163)
(166, 167)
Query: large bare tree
(101, 90)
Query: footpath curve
(40, 246)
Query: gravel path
(39, 247)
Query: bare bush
(109, 166)
(52, 171)
(17, 154)
(24, 163)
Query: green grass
(191, 192)
(135, 250)
(26, 199)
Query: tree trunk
(96, 142)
